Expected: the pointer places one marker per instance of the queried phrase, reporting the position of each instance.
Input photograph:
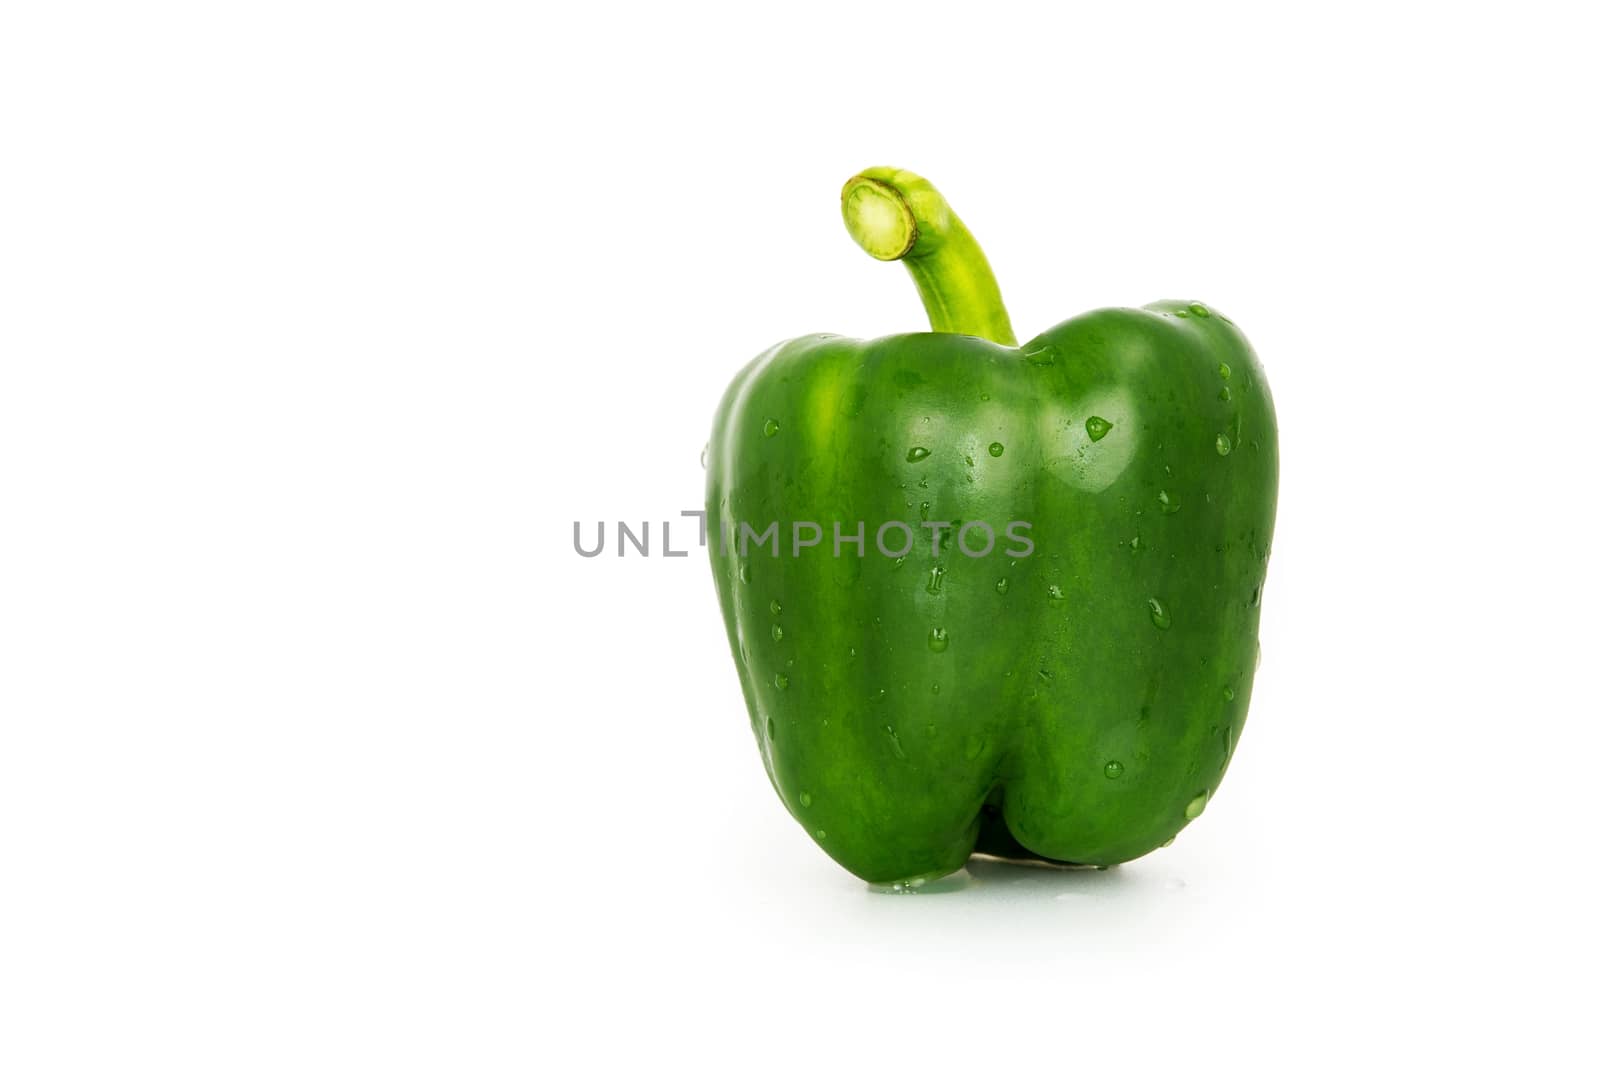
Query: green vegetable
(1075, 693)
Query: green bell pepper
(1075, 693)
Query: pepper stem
(897, 215)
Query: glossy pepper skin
(1079, 703)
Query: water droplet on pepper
(1041, 355)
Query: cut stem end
(878, 217)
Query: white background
(321, 324)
